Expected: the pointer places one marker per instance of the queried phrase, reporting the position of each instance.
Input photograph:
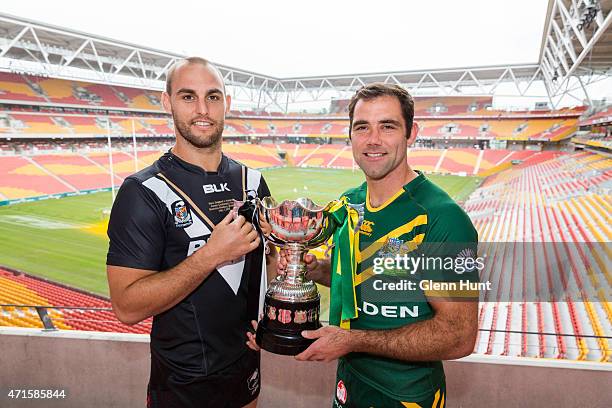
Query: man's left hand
(332, 342)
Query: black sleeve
(136, 229)
(263, 190)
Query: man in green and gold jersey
(390, 323)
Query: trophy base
(280, 329)
(285, 344)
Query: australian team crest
(391, 248)
(182, 216)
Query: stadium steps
(590, 224)
(272, 155)
(594, 247)
(101, 167)
(597, 217)
(55, 176)
(440, 160)
(305, 159)
(331, 162)
(606, 353)
(478, 162)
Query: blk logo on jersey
(182, 216)
(215, 188)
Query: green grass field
(63, 239)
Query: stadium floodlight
(588, 15)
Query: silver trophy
(292, 301)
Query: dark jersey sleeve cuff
(129, 262)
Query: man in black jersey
(177, 253)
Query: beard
(377, 171)
(201, 142)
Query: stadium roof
(571, 46)
(577, 40)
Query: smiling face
(378, 136)
(197, 103)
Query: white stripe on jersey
(232, 273)
(253, 182)
(167, 196)
(253, 179)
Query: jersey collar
(416, 182)
(197, 169)
(410, 187)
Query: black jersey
(162, 215)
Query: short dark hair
(185, 61)
(378, 89)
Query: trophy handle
(260, 210)
(328, 228)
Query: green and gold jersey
(388, 296)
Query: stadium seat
(68, 308)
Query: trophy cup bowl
(292, 301)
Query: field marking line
(269, 154)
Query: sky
(288, 38)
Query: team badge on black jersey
(182, 216)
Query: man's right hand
(231, 239)
(317, 270)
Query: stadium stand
(453, 105)
(21, 177)
(561, 199)
(540, 129)
(604, 116)
(50, 172)
(460, 160)
(52, 169)
(69, 309)
(424, 160)
(13, 87)
(254, 156)
(322, 156)
(21, 87)
(465, 117)
(595, 130)
(76, 170)
(499, 128)
(44, 124)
